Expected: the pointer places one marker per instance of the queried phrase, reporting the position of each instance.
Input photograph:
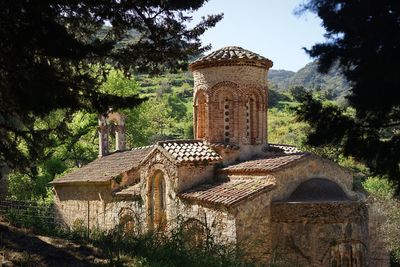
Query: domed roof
(231, 56)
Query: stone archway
(156, 201)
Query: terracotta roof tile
(265, 165)
(276, 156)
(231, 55)
(105, 168)
(230, 192)
(182, 151)
(282, 149)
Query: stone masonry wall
(192, 175)
(287, 179)
(320, 234)
(253, 228)
(378, 253)
(82, 204)
(220, 223)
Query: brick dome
(231, 56)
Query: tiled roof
(285, 149)
(228, 193)
(276, 157)
(130, 191)
(186, 151)
(231, 55)
(105, 168)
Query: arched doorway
(156, 205)
(127, 221)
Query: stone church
(268, 199)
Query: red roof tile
(282, 149)
(265, 165)
(105, 168)
(182, 151)
(228, 193)
(231, 55)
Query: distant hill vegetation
(332, 83)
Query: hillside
(310, 78)
(280, 78)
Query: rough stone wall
(235, 104)
(320, 234)
(123, 206)
(253, 228)
(83, 204)
(378, 254)
(295, 242)
(288, 178)
(192, 175)
(219, 222)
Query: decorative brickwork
(230, 97)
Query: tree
(53, 57)
(363, 38)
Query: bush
(160, 248)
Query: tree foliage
(53, 57)
(363, 38)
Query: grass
(112, 248)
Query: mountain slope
(309, 77)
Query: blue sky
(267, 27)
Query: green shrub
(379, 187)
(160, 248)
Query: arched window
(200, 113)
(112, 135)
(156, 201)
(111, 127)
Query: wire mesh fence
(28, 213)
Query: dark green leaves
(54, 56)
(363, 37)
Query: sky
(267, 27)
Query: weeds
(160, 248)
(181, 246)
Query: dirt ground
(21, 248)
